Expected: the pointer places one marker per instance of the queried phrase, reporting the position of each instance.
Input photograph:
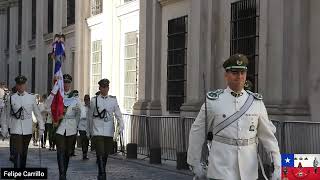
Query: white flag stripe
(306, 160)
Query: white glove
(276, 173)
(55, 89)
(4, 133)
(41, 132)
(88, 135)
(199, 171)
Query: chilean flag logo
(300, 166)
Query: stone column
(57, 13)
(273, 70)
(81, 64)
(13, 60)
(221, 46)
(314, 73)
(145, 63)
(197, 57)
(154, 107)
(3, 30)
(295, 55)
(40, 51)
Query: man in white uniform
(101, 114)
(68, 127)
(20, 108)
(233, 154)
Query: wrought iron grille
(96, 7)
(71, 7)
(245, 35)
(8, 28)
(19, 21)
(50, 16)
(176, 63)
(33, 75)
(34, 19)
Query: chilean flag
(300, 166)
(57, 105)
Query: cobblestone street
(117, 167)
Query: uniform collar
(67, 93)
(104, 97)
(234, 94)
(21, 94)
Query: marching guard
(19, 110)
(103, 108)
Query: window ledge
(32, 43)
(68, 29)
(6, 52)
(167, 2)
(48, 37)
(18, 48)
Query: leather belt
(235, 142)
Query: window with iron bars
(96, 7)
(34, 19)
(50, 16)
(33, 75)
(131, 57)
(19, 69)
(8, 75)
(245, 35)
(8, 28)
(19, 21)
(71, 6)
(176, 63)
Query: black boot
(66, 162)
(84, 150)
(18, 161)
(101, 168)
(61, 164)
(85, 156)
(105, 159)
(24, 161)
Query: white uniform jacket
(23, 125)
(83, 122)
(231, 162)
(103, 126)
(74, 112)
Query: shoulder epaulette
(213, 95)
(112, 96)
(255, 95)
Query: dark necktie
(236, 94)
